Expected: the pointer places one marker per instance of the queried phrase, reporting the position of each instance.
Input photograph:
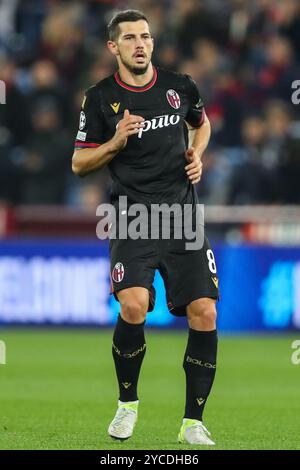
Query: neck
(135, 80)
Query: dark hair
(120, 17)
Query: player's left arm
(199, 141)
(199, 131)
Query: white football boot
(193, 431)
(124, 421)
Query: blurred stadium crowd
(243, 54)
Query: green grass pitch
(58, 391)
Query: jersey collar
(137, 88)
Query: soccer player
(135, 123)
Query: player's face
(134, 46)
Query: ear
(113, 48)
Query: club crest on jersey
(173, 98)
(118, 272)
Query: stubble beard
(135, 70)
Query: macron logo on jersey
(159, 122)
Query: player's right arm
(91, 153)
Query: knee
(202, 314)
(134, 310)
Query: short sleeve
(196, 113)
(90, 132)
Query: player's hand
(130, 124)
(194, 169)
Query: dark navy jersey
(150, 169)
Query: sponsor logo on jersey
(118, 272)
(82, 120)
(115, 107)
(173, 98)
(81, 136)
(158, 122)
(215, 281)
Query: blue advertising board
(63, 281)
